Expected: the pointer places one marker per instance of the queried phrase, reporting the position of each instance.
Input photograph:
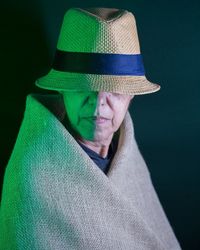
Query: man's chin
(104, 139)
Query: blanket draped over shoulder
(55, 197)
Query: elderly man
(94, 117)
(76, 178)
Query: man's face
(95, 116)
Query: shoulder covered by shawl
(55, 197)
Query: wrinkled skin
(96, 116)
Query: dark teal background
(167, 123)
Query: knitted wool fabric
(55, 197)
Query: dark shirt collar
(101, 162)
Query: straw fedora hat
(98, 50)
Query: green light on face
(81, 109)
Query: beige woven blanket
(55, 197)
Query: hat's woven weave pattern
(85, 82)
(98, 30)
(111, 36)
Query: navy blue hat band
(99, 63)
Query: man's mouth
(101, 119)
(98, 119)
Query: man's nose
(102, 97)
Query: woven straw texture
(100, 31)
(55, 197)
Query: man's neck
(101, 149)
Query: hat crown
(99, 30)
(105, 14)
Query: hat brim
(67, 81)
